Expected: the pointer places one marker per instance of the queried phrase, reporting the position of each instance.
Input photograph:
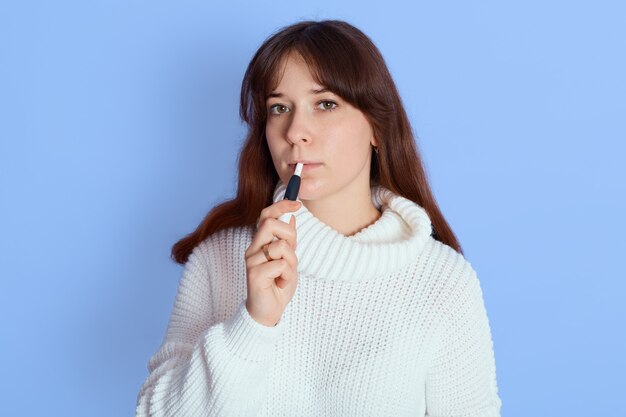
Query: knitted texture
(386, 322)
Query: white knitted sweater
(387, 322)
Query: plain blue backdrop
(120, 130)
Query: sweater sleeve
(461, 379)
(205, 367)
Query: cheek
(273, 145)
(271, 136)
(352, 137)
(347, 149)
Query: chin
(310, 189)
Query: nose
(298, 128)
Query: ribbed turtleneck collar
(385, 246)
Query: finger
(292, 223)
(269, 271)
(278, 209)
(285, 279)
(269, 229)
(278, 249)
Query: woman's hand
(272, 284)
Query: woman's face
(317, 126)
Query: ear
(374, 141)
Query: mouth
(304, 161)
(307, 165)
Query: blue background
(120, 130)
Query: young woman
(363, 305)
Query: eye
(327, 105)
(278, 109)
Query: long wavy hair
(344, 60)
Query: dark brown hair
(344, 60)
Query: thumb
(292, 223)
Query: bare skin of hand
(272, 284)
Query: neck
(347, 212)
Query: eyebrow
(313, 91)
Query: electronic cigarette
(292, 190)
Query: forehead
(293, 71)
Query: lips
(307, 165)
(304, 162)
